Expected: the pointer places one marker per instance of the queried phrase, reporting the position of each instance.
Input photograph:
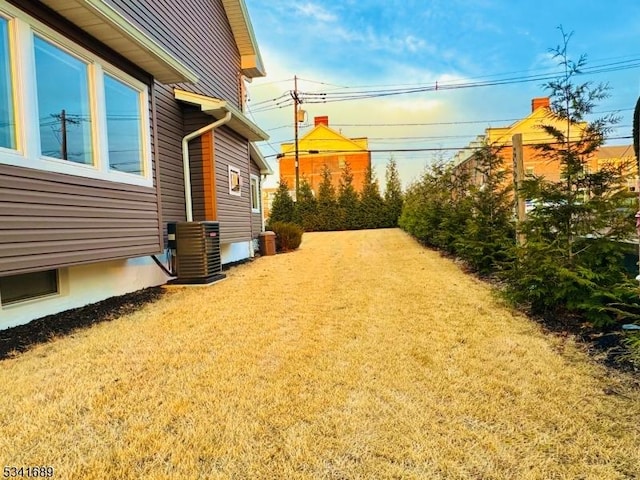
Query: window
(235, 181)
(7, 119)
(123, 126)
(79, 115)
(255, 194)
(63, 104)
(19, 288)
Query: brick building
(325, 146)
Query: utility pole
(296, 102)
(63, 128)
(518, 174)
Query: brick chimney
(539, 102)
(324, 120)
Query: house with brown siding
(117, 118)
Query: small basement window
(19, 288)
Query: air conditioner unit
(197, 252)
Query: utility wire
(430, 149)
(334, 96)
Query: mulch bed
(19, 339)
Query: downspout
(264, 177)
(185, 160)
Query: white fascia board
(110, 27)
(256, 156)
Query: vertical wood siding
(208, 173)
(233, 212)
(194, 119)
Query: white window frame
(27, 154)
(235, 174)
(145, 127)
(254, 182)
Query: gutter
(185, 160)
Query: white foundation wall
(236, 252)
(86, 284)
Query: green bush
(288, 235)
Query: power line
(429, 149)
(429, 124)
(377, 92)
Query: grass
(360, 355)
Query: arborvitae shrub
(288, 235)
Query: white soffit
(106, 24)
(256, 156)
(218, 108)
(250, 59)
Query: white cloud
(414, 44)
(316, 12)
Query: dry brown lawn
(359, 356)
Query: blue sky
(396, 44)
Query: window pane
(123, 126)
(254, 194)
(63, 104)
(17, 288)
(7, 119)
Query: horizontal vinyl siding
(170, 128)
(234, 212)
(198, 33)
(51, 220)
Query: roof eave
(256, 156)
(218, 108)
(110, 27)
(240, 22)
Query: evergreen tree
(437, 207)
(488, 237)
(307, 208)
(348, 200)
(328, 212)
(282, 208)
(372, 205)
(393, 194)
(572, 259)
